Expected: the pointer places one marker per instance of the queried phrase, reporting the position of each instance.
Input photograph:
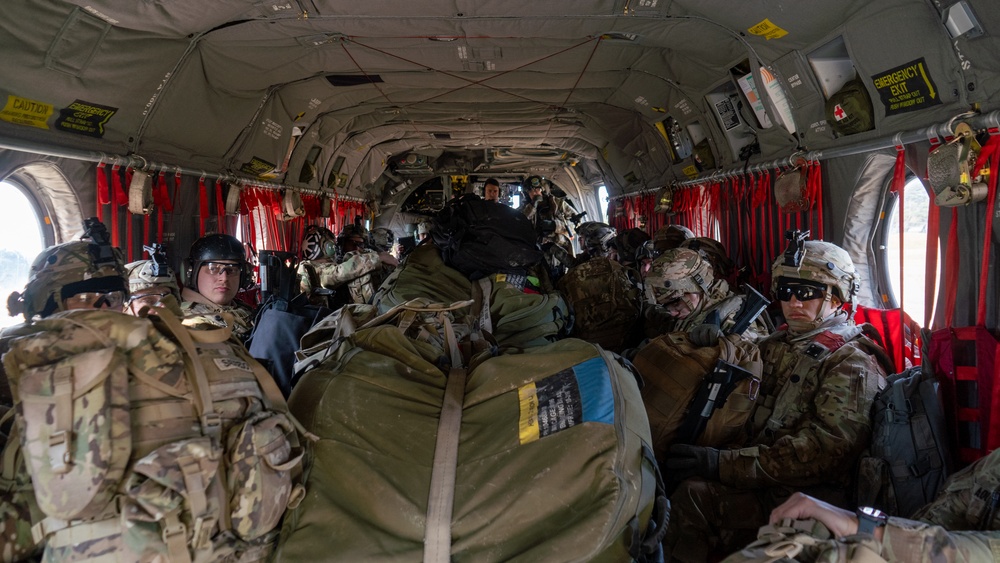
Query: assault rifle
(723, 378)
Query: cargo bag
(145, 439)
(674, 370)
(550, 456)
(515, 317)
(606, 304)
(909, 458)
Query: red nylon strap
(898, 186)
(220, 207)
(951, 270)
(145, 228)
(815, 184)
(103, 198)
(121, 198)
(202, 205)
(991, 155)
(116, 187)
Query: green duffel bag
(553, 460)
(514, 317)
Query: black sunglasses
(800, 291)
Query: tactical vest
(146, 440)
(605, 302)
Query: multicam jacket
(961, 525)
(727, 303)
(812, 422)
(197, 305)
(555, 225)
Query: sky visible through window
(21, 241)
(915, 255)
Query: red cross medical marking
(839, 112)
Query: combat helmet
(676, 272)
(318, 242)
(382, 239)
(647, 251)
(155, 272)
(713, 251)
(671, 236)
(61, 271)
(628, 243)
(597, 238)
(817, 261)
(532, 182)
(424, 228)
(210, 248)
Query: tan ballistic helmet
(713, 251)
(676, 272)
(822, 262)
(143, 274)
(64, 270)
(671, 236)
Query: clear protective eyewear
(802, 292)
(147, 299)
(219, 268)
(95, 300)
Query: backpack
(605, 302)
(909, 458)
(478, 238)
(673, 370)
(146, 439)
(539, 456)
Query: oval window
(21, 240)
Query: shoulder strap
(210, 421)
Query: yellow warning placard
(691, 171)
(767, 30)
(23, 111)
(907, 87)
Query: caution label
(23, 111)
(906, 88)
(259, 167)
(85, 118)
(767, 30)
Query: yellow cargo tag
(691, 171)
(767, 30)
(528, 422)
(22, 111)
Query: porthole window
(21, 240)
(914, 249)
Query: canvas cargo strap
(440, 503)
(818, 350)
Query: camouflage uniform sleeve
(970, 498)
(354, 266)
(823, 432)
(916, 542)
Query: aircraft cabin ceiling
(329, 94)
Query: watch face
(873, 513)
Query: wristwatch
(870, 518)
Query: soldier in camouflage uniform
(152, 283)
(319, 247)
(682, 291)
(139, 474)
(961, 525)
(216, 270)
(811, 419)
(354, 277)
(550, 215)
(596, 239)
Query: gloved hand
(684, 461)
(705, 334)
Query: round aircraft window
(21, 240)
(913, 246)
